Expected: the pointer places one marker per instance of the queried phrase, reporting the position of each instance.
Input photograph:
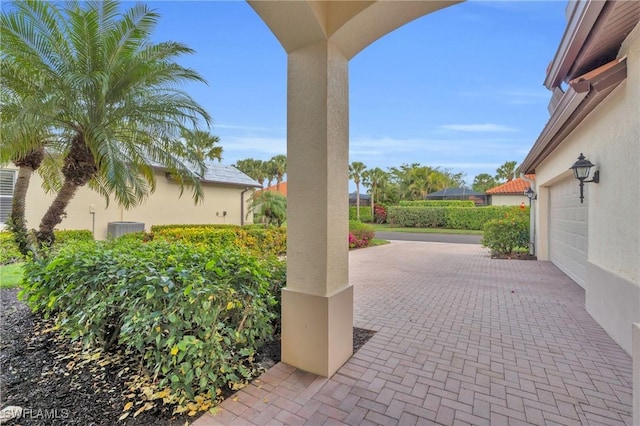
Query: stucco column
(635, 353)
(317, 304)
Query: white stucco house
(595, 111)
(226, 195)
(510, 193)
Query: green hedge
(437, 203)
(9, 252)
(449, 217)
(258, 239)
(191, 316)
(365, 214)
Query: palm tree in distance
(355, 172)
(506, 172)
(201, 145)
(373, 178)
(112, 93)
(280, 168)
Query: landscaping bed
(55, 384)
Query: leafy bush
(9, 252)
(380, 213)
(449, 217)
(193, 316)
(505, 235)
(360, 234)
(365, 214)
(437, 203)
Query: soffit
(616, 21)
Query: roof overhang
(583, 95)
(595, 30)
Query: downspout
(532, 216)
(242, 206)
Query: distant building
(459, 194)
(510, 193)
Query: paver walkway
(461, 339)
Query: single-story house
(591, 229)
(459, 194)
(510, 193)
(282, 189)
(226, 194)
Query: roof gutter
(572, 98)
(581, 19)
(583, 95)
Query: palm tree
(269, 170)
(374, 178)
(24, 139)
(280, 168)
(507, 171)
(355, 172)
(268, 206)
(252, 168)
(201, 145)
(110, 92)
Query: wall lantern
(530, 194)
(581, 170)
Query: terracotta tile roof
(283, 188)
(515, 186)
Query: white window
(7, 182)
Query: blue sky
(459, 89)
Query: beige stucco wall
(509, 200)
(608, 137)
(164, 206)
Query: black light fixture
(530, 194)
(581, 170)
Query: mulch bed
(516, 256)
(41, 374)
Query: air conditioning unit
(118, 229)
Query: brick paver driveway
(461, 339)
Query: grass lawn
(389, 228)
(10, 275)
(378, 242)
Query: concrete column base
(317, 331)
(635, 353)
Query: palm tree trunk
(373, 197)
(17, 222)
(55, 213)
(358, 201)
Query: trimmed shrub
(360, 234)
(437, 203)
(193, 317)
(505, 235)
(365, 214)
(449, 217)
(417, 217)
(258, 239)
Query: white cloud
(486, 127)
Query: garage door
(568, 229)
